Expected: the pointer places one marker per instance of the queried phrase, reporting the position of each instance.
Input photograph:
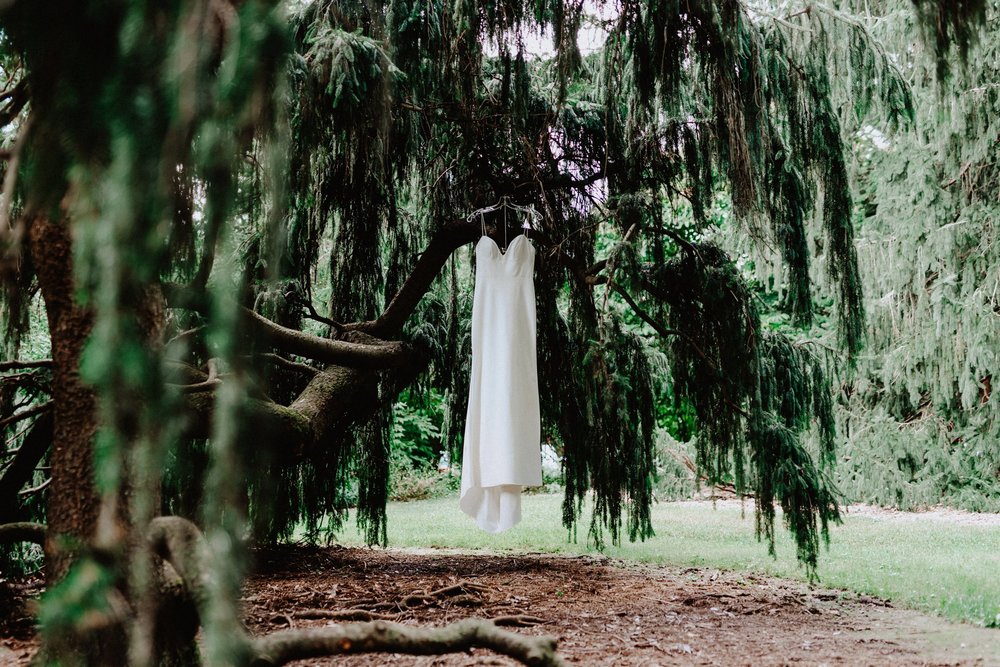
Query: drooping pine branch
(950, 25)
(752, 408)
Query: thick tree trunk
(73, 500)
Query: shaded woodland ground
(603, 611)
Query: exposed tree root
(464, 593)
(461, 590)
(285, 646)
(344, 615)
(180, 543)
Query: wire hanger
(533, 216)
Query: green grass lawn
(932, 566)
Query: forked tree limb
(446, 240)
(284, 646)
(372, 355)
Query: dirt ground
(604, 612)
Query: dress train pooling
(501, 451)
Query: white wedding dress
(502, 450)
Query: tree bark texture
(73, 504)
(73, 501)
(286, 646)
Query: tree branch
(21, 365)
(208, 384)
(12, 235)
(446, 241)
(674, 236)
(289, 364)
(285, 646)
(184, 336)
(24, 531)
(35, 489)
(288, 428)
(565, 180)
(26, 414)
(311, 312)
(16, 98)
(340, 352)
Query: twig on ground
(518, 621)
(462, 588)
(343, 615)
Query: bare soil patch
(604, 612)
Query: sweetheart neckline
(503, 253)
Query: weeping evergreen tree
(921, 422)
(178, 169)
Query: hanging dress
(502, 449)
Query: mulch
(603, 611)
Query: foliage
(416, 431)
(916, 414)
(921, 417)
(772, 390)
(950, 26)
(213, 155)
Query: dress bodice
(517, 261)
